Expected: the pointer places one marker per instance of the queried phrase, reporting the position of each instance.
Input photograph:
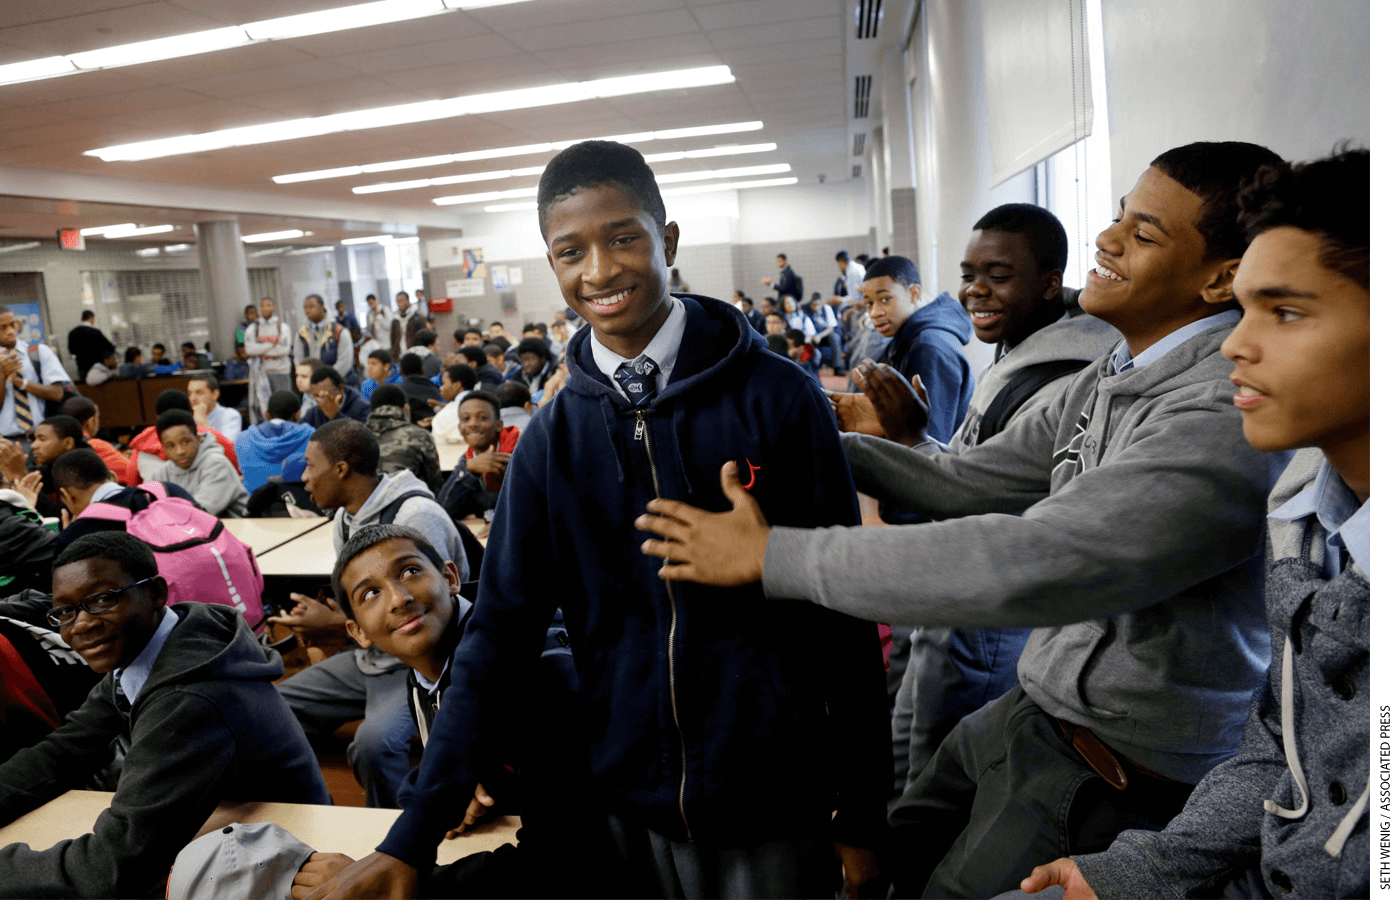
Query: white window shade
(1038, 97)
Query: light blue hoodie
(262, 448)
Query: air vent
(858, 145)
(867, 19)
(855, 170)
(862, 106)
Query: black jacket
(420, 389)
(208, 726)
(27, 548)
(88, 346)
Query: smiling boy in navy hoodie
(724, 729)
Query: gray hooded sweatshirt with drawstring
(1137, 558)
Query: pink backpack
(199, 559)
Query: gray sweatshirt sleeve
(1180, 504)
(218, 489)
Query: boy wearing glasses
(188, 695)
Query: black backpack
(1021, 388)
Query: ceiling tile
(238, 84)
(437, 53)
(781, 33)
(12, 14)
(604, 31)
(747, 15)
(106, 29)
(522, 16)
(442, 27)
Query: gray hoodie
(1251, 817)
(213, 482)
(1138, 557)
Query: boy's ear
(357, 634)
(454, 580)
(671, 237)
(1220, 289)
(915, 292)
(1054, 283)
(160, 592)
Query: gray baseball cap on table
(258, 860)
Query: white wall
(1292, 75)
(803, 212)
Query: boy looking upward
(189, 688)
(692, 705)
(1302, 371)
(1136, 560)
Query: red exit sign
(71, 239)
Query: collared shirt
(463, 607)
(1346, 521)
(53, 374)
(663, 350)
(1122, 355)
(226, 421)
(133, 678)
(105, 490)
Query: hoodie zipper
(643, 435)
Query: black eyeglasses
(95, 605)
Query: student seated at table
(236, 366)
(90, 417)
(188, 692)
(537, 364)
(803, 352)
(263, 447)
(475, 482)
(419, 388)
(424, 347)
(132, 365)
(197, 463)
(457, 380)
(491, 372)
(204, 398)
(82, 479)
(331, 399)
(378, 370)
(54, 437)
(162, 364)
(1287, 815)
(103, 370)
(402, 444)
(146, 452)
(342, 475)
(517, 409)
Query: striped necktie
(24, 416)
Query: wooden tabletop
(353, 831)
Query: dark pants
(832, 354)
(1004, 793)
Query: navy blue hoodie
(929, 344)
(713, 713)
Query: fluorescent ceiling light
(428, 110)
(274, 236)
(741, 172)
(489, 195)
(520, 150)
(137, 232)
(149, 251)
(11, 248)
(176, 248)
(304, 251)
(731, 150)
(325, 21)
(374, 239)
(671, 192)
(509, 207)
(272, 251)
(103, 229)
(447, 179)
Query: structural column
(224, 271)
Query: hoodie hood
(273, 441)
(385, 418)
(945, 313)
(391, 487)
(214, 645)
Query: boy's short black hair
(1215, 171)
(382, 356)
(1329, 197)
(371, 536)
(79, 407)
(172, 417)
(411, 364)
(474, 355)
(387, 395)
(900, 269)
(321, 301)
(283, 405)
(795, 334)
(135, 558)
(777, 343)
(510, 393)
(592, 163)
(209, 380)
(782, 256)
(88, 315)
(492, 348)
(132, 354)
(158, 346)
(66, 427)
(173, 399)
(78, 469)
(187, 345)
(462, 374)
(425, 338)
(460, 335)
(1049, 242)
(348, 441)
(536, 346)
(467, 331)
(327, 373)
(487, 397)
(842, 256)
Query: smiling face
(1302, 352)
(402, 604)
(611, 259)
(890, 303)
(116, 637)
(1003, 289)
(1152, 272)
(478, 424)
(180, 444)
(48, 446)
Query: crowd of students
(1123, 591)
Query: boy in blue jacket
(724, 729)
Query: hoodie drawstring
(1290, 742)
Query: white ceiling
(790, 58)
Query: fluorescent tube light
(161, 48)
(274, 236)
(375, 239)
(136, 232)
(670, 192)
(103, 229)
(489, 195)
(741, 172)
(27, 245)
(178, 248)
(149, 251)
(305, 251)
(510, 207)
(34, 69)
(346, 17)
(447, 179)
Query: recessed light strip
(670, 192)
(274, 236)
(424, 111)
(323, 22)
(520, 150)
(741, 172)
